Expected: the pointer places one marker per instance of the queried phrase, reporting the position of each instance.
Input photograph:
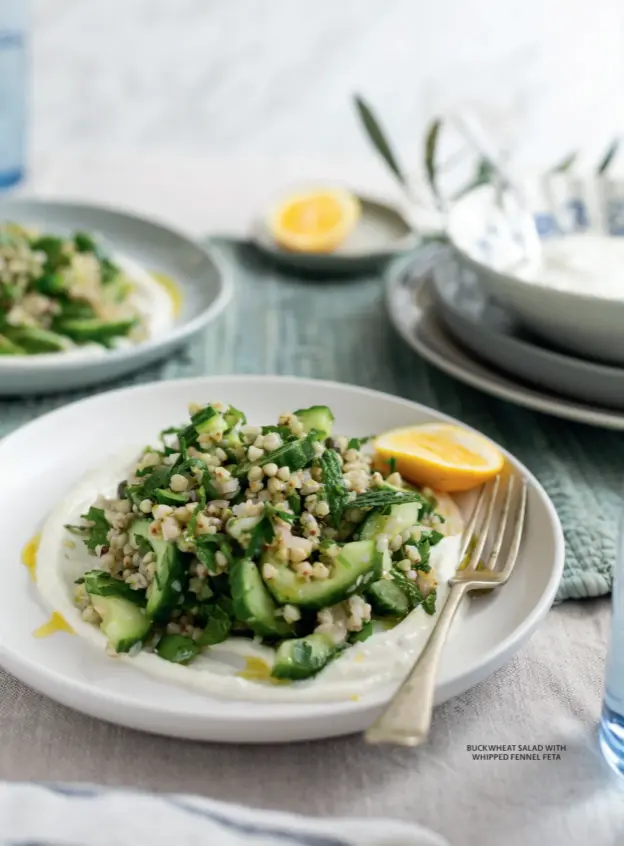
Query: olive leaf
(431, 145)
(565, 164)
(483, 176)
(378, 138)
(608, 156)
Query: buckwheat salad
(67, 294)
(268, 562)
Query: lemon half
(440, 456)
(314, 221)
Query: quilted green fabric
(338, 329)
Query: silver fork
(407, 719)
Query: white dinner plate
(43, 459)
(202, 289)
(411, 307)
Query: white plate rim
(65, 690)
(175, 336)
(482, 377)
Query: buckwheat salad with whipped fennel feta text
(286, 537)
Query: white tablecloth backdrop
(549, 694)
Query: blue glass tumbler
(611, 730)
(13, 90)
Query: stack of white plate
(553, 350)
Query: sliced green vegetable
(336, 491)
(317, 418)
(83, 330)
(357, 565)
(400, 518)
(295, 455)
(387, 597)
(253, 604)
(123, 622)
(167, 497)
(168, 584)
(35, 340)
(9, 348)
(367, 630)
(177, 648)
(303, 657)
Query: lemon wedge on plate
(314, 221)
(439, 455)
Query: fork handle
(407, 719)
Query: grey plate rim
(476, 373)
(176, 336)
(560, 357)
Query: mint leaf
(97, 532)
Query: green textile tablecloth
(338, 329)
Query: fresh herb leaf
(378, 138)
(294, 500)
(381, 498)
(97, 532)
(409, 588)
(234, 416)
(431, 145)
(429, 603)
(565, 164)
(261, 536)
(272, 511)
(392, 463)
(608, 157)
(158, 478)
(283, 431)
(218, 626)
(358, 443)
(336, 491)
(434, 537)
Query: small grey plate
(381, 233)
(203, 286)
(489, 331)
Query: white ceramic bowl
(586, 324)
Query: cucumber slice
(101, 583)
(387, 598)
(253, 603)
(239, 527)
(123, 622)
(177, 648)
(165, 591)
(317, 417)
(35, 340)
(303, 657)
(401, 517)
(9, 348)
(93, 329)
(166, 497)
(356, 566)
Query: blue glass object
(13, 90)
(611, 730)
